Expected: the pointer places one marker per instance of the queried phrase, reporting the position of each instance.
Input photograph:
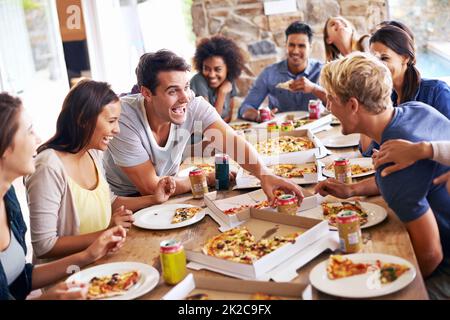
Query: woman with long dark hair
(69, 199)
(17, 278)
(395, 47)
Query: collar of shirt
(394, 96)
(305, 73)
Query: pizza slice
(264, 296)
(259, 205)
(112, 285)
(198, 296)
(266, 246)
(301, 122)
(341, 267)
(183, 214)
(292, 170)
(241, 126)
(285, 85)
(207, 168)
(330, 211)
(390, 272)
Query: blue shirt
(284, 100)
(21, 287)
(410, 192)
(201, 88)
(435, 93)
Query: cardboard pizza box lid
(232, 289)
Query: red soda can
(314, 109)
(264, 114)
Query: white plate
(376, 214)
(296, 114)
(342, 141)
(363, 162)
(361, 286)
(160, 217)
(148, 280)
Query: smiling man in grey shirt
(156, 125)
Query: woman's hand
(225, 87)
(401, 153)
(109, 241)
(444, 178)
(122, 217)
(66, 291)
(165, 188)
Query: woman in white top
(69, 199)
(17, 278)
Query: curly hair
(220, 46)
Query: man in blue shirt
(298, 67)
(359, 89)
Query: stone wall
(262, 37)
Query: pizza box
(266, 224)
(319, 150)
(318, 123)
(245, 180)
(216, 207)
(232, 289)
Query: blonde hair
(332, 52)
(361, 76)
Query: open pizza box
(217, 206)
(261, 135)
(232, 289)
(280, 264)
(285, 116)
(246, 180)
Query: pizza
(259, 205)
(330, 211)
(293, 170)
(341, 267)
(183, 214)
(301, 122)
(239, 245)
(284, 144)
(264, 296)
(207, 168)
(356, 168)
(390, 272)
(285, 85)
(198, 296)
(241, 126)
(112, 285)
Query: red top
(196, 172)
(170, 246)
(346, 216)
(341, 162)
(285, 199)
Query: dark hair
(397, 24)
(78, 117)
(400, 42)
(220, 46)
(9, 114)
(298, 27)
(150, 64)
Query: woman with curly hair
(340, 38)
(219, 63)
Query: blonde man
(359, 89)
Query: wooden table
(389, 237)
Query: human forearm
(220, 102)
(49, 273)
(135, 203)
(68, 245)
(367, 187)
(320, 93)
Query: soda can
(287, 203)
(350, 240)
(222, 167)
(287, 126)
(273, 127)
(173, 261)
(264, 114)
(199, 185)
(314, 109)
(343, 170)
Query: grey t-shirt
(200, 86)
(13, 259)
(135, 144)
